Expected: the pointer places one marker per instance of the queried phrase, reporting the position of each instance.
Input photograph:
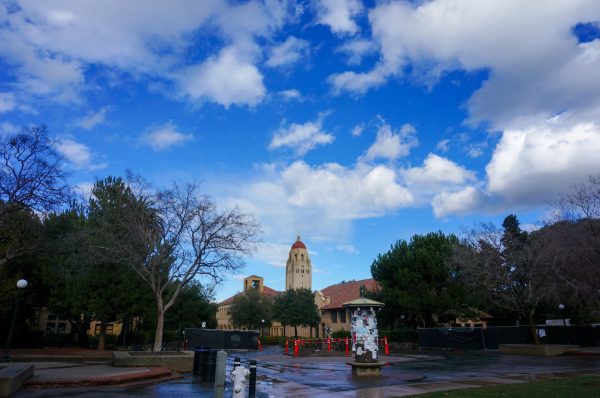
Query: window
(302, 257)
(333, 316)
(255, 283)
(61, 328)
(296, 255)
(342, 316)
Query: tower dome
(298, 270)
(298, 244)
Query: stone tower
(298, 271)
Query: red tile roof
(267, 292)
(346, 291)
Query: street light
(561, 307)
(21, 284)
(263, 326)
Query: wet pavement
(283, 376)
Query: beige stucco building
(298, 274)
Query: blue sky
(352, 124)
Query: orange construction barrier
(259, 345)
(295, 348)
(329, 344)
(386, 346)
(347, 352)
(286, 346)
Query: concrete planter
(12, 377)
(544, 350)
(177, 361)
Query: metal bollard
(252, 386)
(239, 377)
(220, 374)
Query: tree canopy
(418, 281)
(250, 309)
(296, 307)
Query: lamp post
(262, 322)
(21, 284)
(561, 307)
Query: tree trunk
(102, 337)
(159, 326)
(534, 335)
(296, 331)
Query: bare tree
(32, 178)
(511, 266)
(175, 236)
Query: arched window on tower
(302, 257)
(296, 255)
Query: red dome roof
(298, 244)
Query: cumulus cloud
(459, 202)
(226, 79)
(339, 15)
(392, 145)
(288, 52)
(529, 80)
(49, 46)
(321, 201)
(79, 155)
(93, 119)
(302, 138)
(164, 137)
(356, 49)
(533, 165)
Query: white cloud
(49, 45)
(356, 49)
(339, 15)
(164, 137)
(7, 102)
(288, 52)
(532, 166)
(392, 145)
(320, 201)
(460, 202)
(79, 155)
(437, 172)
(226, 79)
(536, 66)
(93, 119)
(349, 249)
(274, 254)
(302, 138)
(443, 145)
(84, 189)
(358, 130)
(292, 94)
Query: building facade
(298, 274)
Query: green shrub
(272, 340)
(110, 340)
(340, 334)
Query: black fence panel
(492, 337)
(222, 339)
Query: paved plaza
(284, 376)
